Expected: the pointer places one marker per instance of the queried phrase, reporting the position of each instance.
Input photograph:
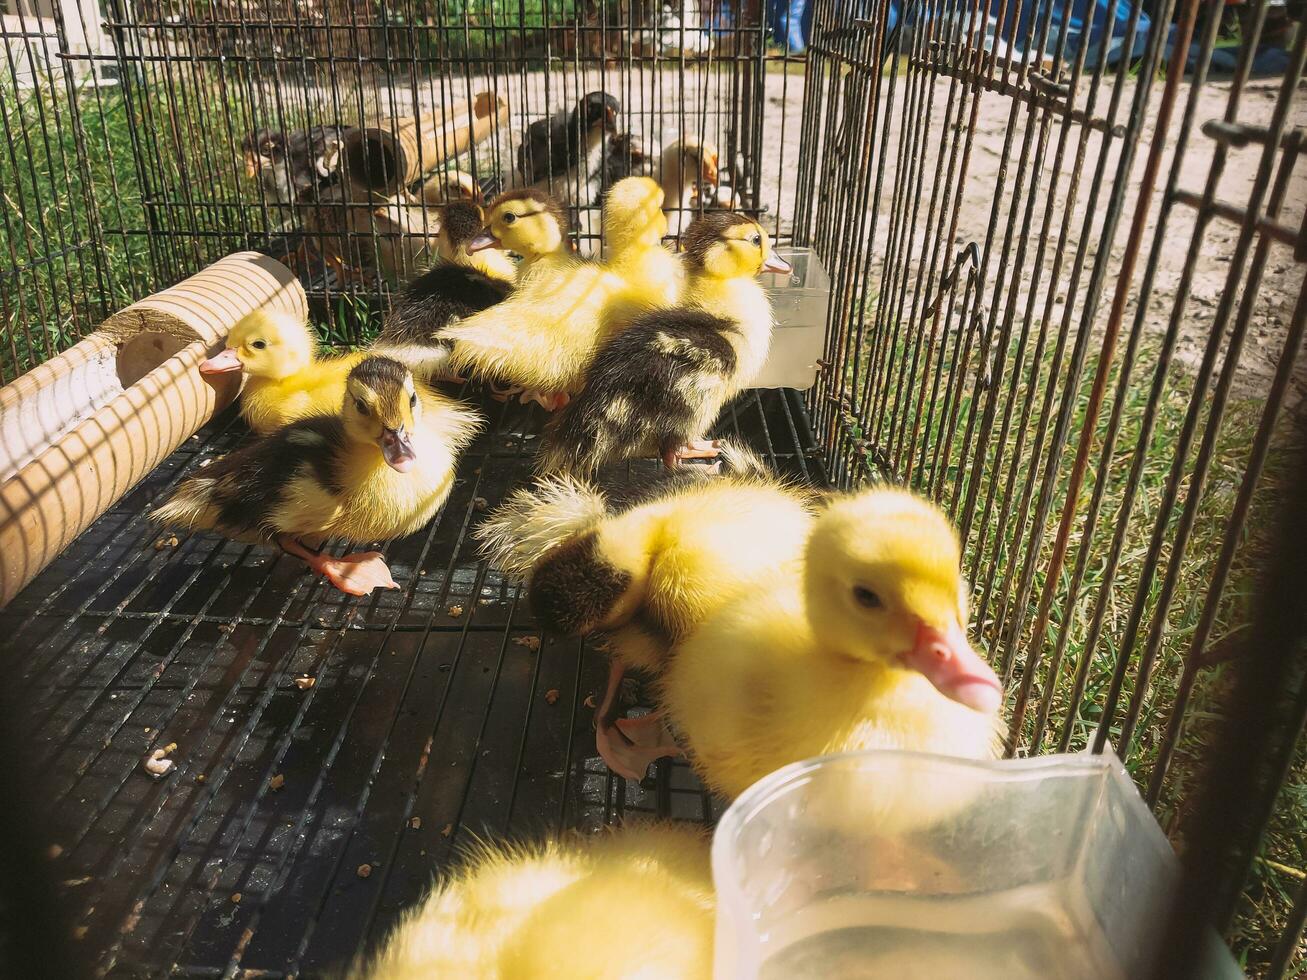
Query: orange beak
(251, 165)
(710, 169)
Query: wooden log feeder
(79, 431)
(390, 155)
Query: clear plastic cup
(799, 301)
(1049, 868)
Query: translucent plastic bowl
(799, 304)
(1049, 868)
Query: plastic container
(799, 303)
(1049, 868)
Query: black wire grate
(316, 733)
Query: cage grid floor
(401, 726)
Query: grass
(998, 548)
(51, 209)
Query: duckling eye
(866, 598)
(756, 241)
(363, 409)
(509, 218)
(413, 400)
(258, 344)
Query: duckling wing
(543, 336)
(653, 387)
(244, 495)
(430, 302)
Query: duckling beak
(482, 241)
(945, 658)
(774, 263)
(709, 168)
(221, 363)
(398, 450)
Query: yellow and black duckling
(284, 380)
(657, 386)
(860, 644)
(541, 338)
(379, 468)
(459, 284)
(647, 571)
(563, 909)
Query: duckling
(540, 338)
(377, 469)
(294, 167)
(630, 156)
(450, 185)
(459, 284)
(576, 174)
(283, 380)
(634, 227)
(645, 573)
(656, 387)
(864, 646)
(686, 165)
(562, 908)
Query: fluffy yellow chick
(864, 647)
(634, 227)
(646, 575)
(379, 468)
(283, 381)
(542, 336)
(564, 909)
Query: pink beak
(482, 241)
(397, 450)
(945, 658)
(221, 363)
(777, 264)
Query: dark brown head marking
(462, 222)
(705, 231)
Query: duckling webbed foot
(550, 401)
(694, 449)
(504, 393)
(628, 745)
(356, 574)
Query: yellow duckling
(563, 909)
(634, 228)
(657, 387)
(284, 381)
(457, 285)
(864, 647)
(646, 575)
(540, 338)
(379, 468)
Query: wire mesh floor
(315, 733)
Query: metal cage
(1068, 301)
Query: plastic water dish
(904, 866)
(799, 303)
